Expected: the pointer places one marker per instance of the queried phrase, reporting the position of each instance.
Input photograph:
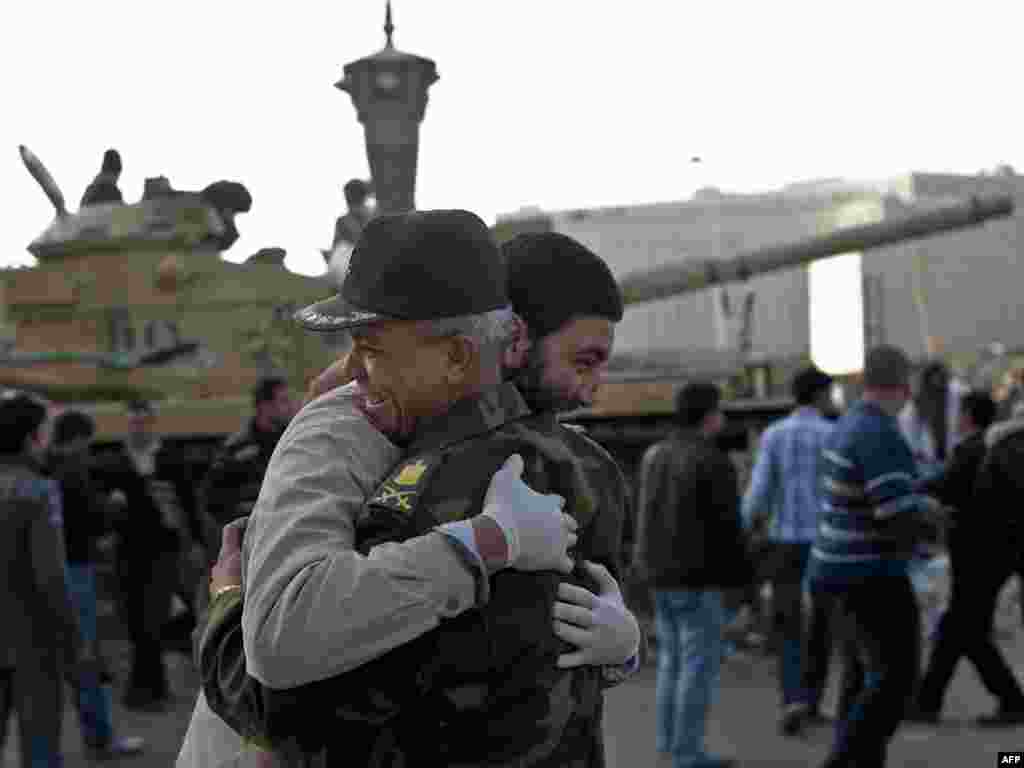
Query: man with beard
(569, 355)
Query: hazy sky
(560, 103)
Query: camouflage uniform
(484, 688)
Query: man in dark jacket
(690, 548)
(84, 522)
(155, 520)
(40, 641)
(232, 485)
(983, 555)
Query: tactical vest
(486, 683)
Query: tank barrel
(676, 279)
(43, 178)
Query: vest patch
(400, 490)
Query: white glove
(537, 533)
(600, 626)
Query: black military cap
(424, 265)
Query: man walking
(872, 520)
(84, 522)
(785, 492)
(690, 548)
(982, 557)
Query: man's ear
(518, 346)
(462, 355)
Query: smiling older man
(445, 489)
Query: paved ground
(743, 722)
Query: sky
(557, 103)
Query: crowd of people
(425, 563)
(138, 503)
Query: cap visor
(334, 314)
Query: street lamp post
(389, 92)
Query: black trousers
(146, 588)
(802, 622)
(34, 691)
(965, 630)
(822, 632)
(881, 663)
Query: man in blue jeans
(873, 519)
(83, 523)
(689, 547)
(785, 494)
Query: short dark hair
(980, 406)
(111, 162)
(266, 388)
(21, 414)
(886, 367)
(356, 192)
(810, 383)
(72, 425)
(552, 279)
(695, 401)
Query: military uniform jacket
(483, 688)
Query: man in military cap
(569, 356)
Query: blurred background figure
(85, 522)
(41, 642)
(349, 227)
(982, 558)
(785, 497)
(1010, 394)
(232, 484)
(873, 519)
(930, 421)
(690, 549)
(157, 526)
(103, 188)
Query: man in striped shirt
(785, 492)
(872, 520)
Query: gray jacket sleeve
(314, 607)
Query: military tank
(135, 300)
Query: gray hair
(492, 331)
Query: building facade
(952, 294)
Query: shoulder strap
(401, 487)
(389, 514)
